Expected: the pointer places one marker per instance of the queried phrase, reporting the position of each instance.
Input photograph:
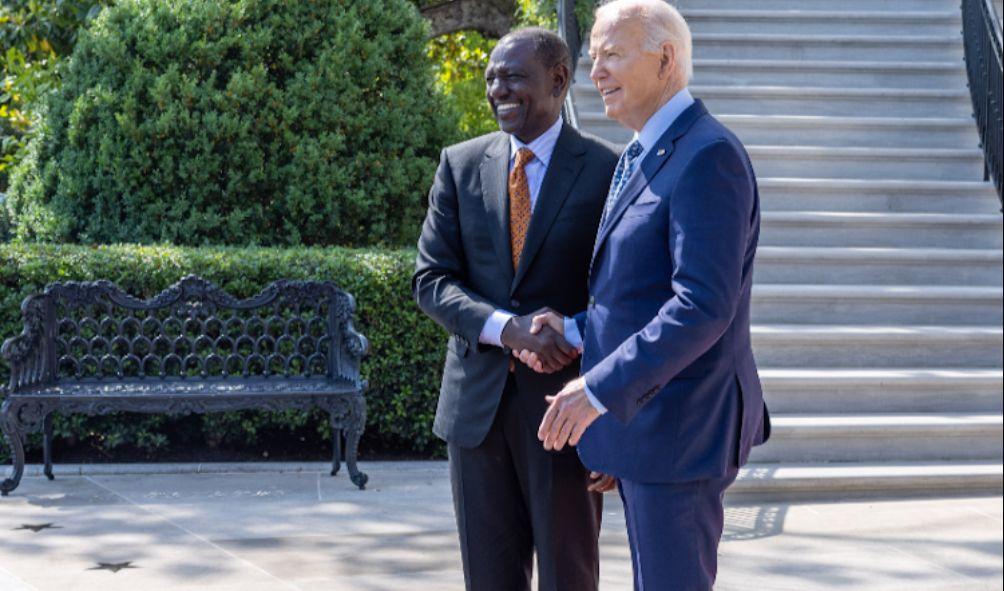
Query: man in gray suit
(510, 227)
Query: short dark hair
(548, 46)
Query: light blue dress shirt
(542, 148)
(650, 133)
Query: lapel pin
(661, 152)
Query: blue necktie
(625, 166)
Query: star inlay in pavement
(113, 566)
(37, 527)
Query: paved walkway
(303, 530)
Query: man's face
(631, 81)
(525, 96)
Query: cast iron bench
(92, 348)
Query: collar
(542, 147)
(660, 121)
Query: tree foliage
(461, 59)
(34, 37)
(252, 121)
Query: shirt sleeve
(491, 333)
(593, 400)
(572, 334)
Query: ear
(560, 77)
(667, 62)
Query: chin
(510, 128)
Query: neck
(526, 138)
(667, 93)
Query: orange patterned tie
(519, 204)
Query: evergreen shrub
(242, 122)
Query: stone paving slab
(207, 529)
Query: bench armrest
(25, 352)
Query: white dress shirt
(542, 148)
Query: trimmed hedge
(403, 367)
(244, 122)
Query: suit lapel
(495, 192)
(562, 170)
(657, 156)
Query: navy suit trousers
(674, 530)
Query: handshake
(538, 340)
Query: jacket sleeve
(709, 226)
(438, 284)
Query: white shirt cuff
(572, 334)
(491, 333)
(593, 400)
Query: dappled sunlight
(307, 530)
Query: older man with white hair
(669, 402)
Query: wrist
(504, 337)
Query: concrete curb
(35, 470)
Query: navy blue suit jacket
(667, 331)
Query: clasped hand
(569, 412)
(548, 347)
(543, 321)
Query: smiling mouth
(608, 92)
(503, 109)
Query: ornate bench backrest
(193, 329)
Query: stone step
(878, 132)
(939, 164)
(711, 19)
(816, 130)
(885, 266)
(881, 229)
(834, 74)
(825, 5)
(788, 101)
(810, 194)
(877, 304)
(828, 47)
(778, 482)
(835, 102)
(943, 75)
(837, 390)
(882, 438)
(860, 346)
(840, 74)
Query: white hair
(662, 22)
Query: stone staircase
(878, 288)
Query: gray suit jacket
(464, 272)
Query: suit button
(592, 302)
(514, 303)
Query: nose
(598, 71)
(496, 89)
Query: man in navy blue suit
(669, 402)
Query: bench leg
(16, 442)
(336, 444)
(357, 422)
(352, 451)
(47, 445)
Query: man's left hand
(568, 417)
